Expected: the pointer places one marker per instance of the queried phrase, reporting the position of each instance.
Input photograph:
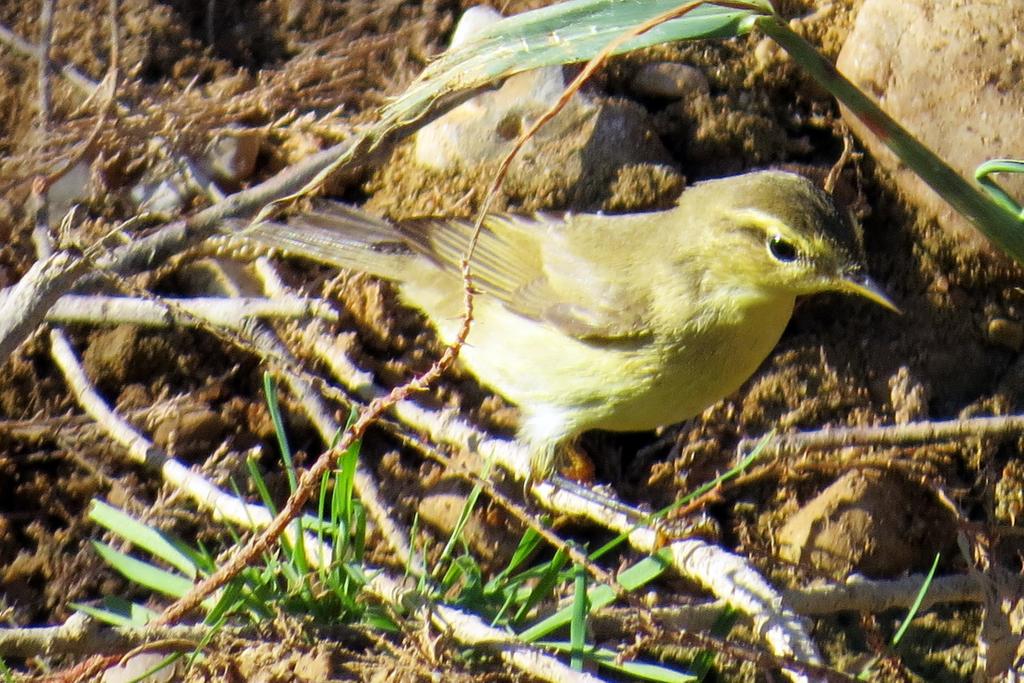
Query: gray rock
(231, 156)
(670, 80)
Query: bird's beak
(862, 285)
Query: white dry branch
(857, 594)
(725, 575)
(221, 312)
(204, 493)
(900, 435)
(83, 635)
(23, 306)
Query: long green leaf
(117, 612)
(144, 537)
(578, 623)
(144, 573)
(560, 34)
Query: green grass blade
(358, 532)
(230, 599)
(868, 672)
(141, 536)
(456, 535)
(347, 472)
(982, 173)
(548, 579)
(117, 612)
(323, 525)
(578, 625)
(528, 545)
(270, 394)
(912, 612)
(600, 596)
(261, 486)
(144, 573)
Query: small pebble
(133, 669)
(231, 156)
(190, 432)
(766, 52)
(472, 22)
(670, 80)
(70, 188)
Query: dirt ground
(191, 69)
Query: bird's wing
(529, 264)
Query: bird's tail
(337, 235)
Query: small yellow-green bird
(614, 322)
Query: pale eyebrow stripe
(761, 218)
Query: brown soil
(954, 352)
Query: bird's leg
(574, 464)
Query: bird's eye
(782, 249)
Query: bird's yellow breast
(565, 385)
(688, 372)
